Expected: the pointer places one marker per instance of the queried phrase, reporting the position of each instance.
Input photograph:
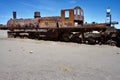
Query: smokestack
(14, 15)
(36, 14)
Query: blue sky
(94, 10)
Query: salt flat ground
(25, 59)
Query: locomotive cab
(72, 17)
(78, 16)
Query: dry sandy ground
(25, 59)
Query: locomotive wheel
(10, 35)
(31, 36)
(91, 40)
(112, 43)
(65, 37)
(76, 39)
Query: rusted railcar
(3, 27)
(69, 26)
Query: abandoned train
(69, 26)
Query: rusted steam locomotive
(69, 26)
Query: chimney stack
(14, 15)
(36, 14)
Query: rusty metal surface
(94, 26)
(67, 21)
(110, 29)
(49, 22)
(22, 23)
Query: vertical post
(108, 17)
(77, 12)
